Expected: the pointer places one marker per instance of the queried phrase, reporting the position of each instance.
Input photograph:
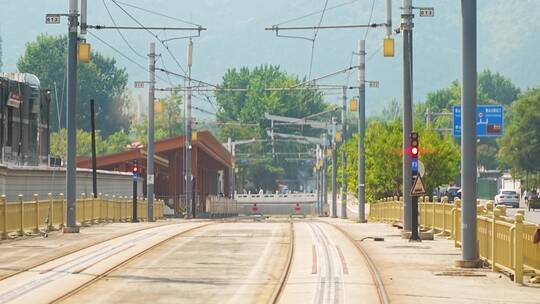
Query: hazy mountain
(507, 31)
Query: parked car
(508, 197)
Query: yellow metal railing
(506, 243)
(32, 216)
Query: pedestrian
(261, 191)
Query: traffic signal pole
(71, 170)
(414, 141)
(344, 156)
(361, 131)
(150, 154)
(406, 27)
(334, 169)
(135, 171)
(469, 250)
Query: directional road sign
(489, 121)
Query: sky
(507, 40)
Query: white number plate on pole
(139, 84)
(427, 12)
(52, 19)
(373, 84)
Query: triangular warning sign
(418, 188)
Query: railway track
(80, 269)
(329, 267)
(377, 279)
(55, 257)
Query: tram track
(72, 271)
(285, 274)
(75, 250)
(377, 279)
(106, 273)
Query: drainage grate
(460, 273)
(409, 247)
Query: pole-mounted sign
(427, 11)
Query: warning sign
(418, 188)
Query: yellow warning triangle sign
(418, 188)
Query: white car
(508, 197)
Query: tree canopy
(99, 79)
(520, 145)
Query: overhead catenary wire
(122, 54)
(157, 13)
(316, 32)
(153, 34)
(120, 32)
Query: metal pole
(344, 156)
(334, 169)
(187, 138)
(134, 203)
(324, 175)
(469, 250)
(94, 160)
(150, 154)
(361, 131)
(71, 171)
(407, 26)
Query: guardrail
(509, 244)
(290, 198)
(221, 206)
(28, 217)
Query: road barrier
(507, 244)
(23, 217)
(219, 207)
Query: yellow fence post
(83, 207)
(62, 224)
(51, 212)
(36, 202)
(496, 215)
(518, 248)
(21, 209)
(444, 201)
(433, 209)
(92, 205)
(4, 225)
(455, 215)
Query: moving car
(508, 197)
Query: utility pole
(469, 250)
(406, 27)
(324, 175)
(187, 137)
(71, 170)
(150, 152)
(334, 168)
(361, 131)
(344, 155)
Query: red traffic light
(414, 151)
(135, 168)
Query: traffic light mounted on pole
(415, 179)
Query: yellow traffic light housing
(388, 47)
(353, 105)
(84, 52)
(338, 137)
(158, 106)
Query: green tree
(99, 79)
(520, 144)
(246, 110)
(497, 87)
(439, 155)
(116, 142)
(168, 120)
(84, 143)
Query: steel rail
(285, 274)
(117, 266)
(75, 250)
(381, 291)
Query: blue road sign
(414, 165)
(489, 120)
